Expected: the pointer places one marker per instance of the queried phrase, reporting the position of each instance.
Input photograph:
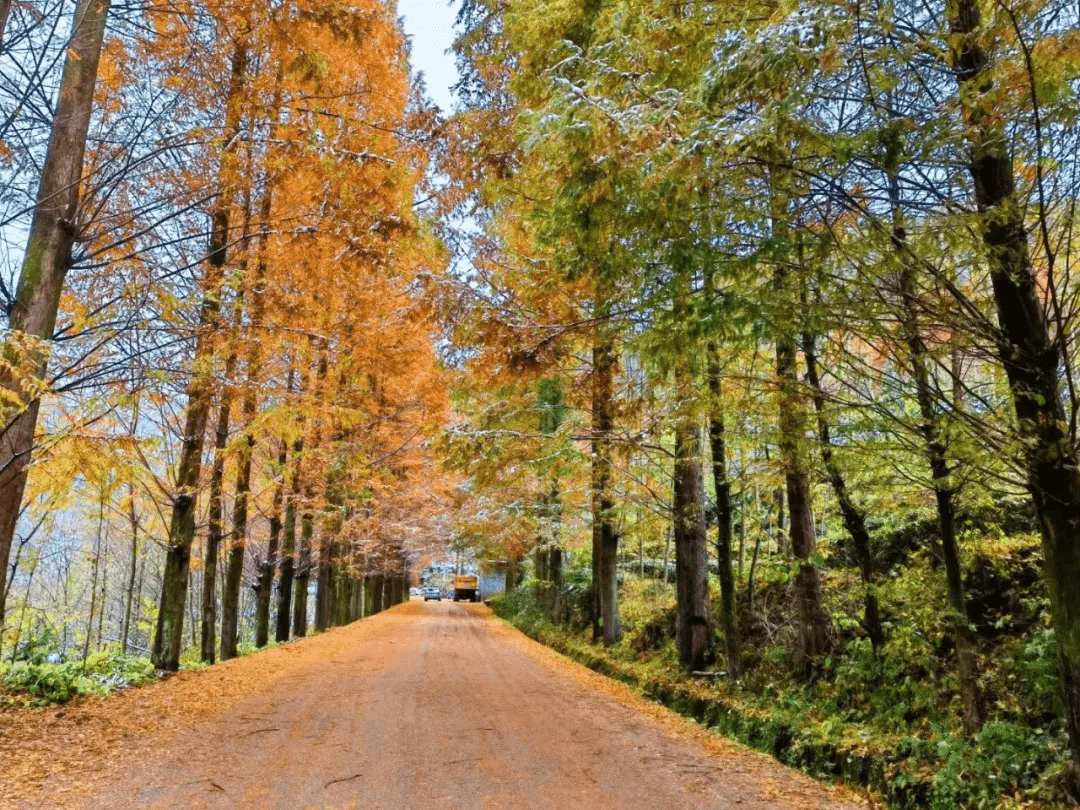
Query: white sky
(430, 23)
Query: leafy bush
(42, 684)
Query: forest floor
(427, 704)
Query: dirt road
(427, 705)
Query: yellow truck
(466, 589)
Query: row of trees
(824, 251)
(219, 370)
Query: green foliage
(521, 608)
(890, 723)
(39, 683)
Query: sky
(430, 24)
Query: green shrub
(43, 684)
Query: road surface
(433, 704)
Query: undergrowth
(37, 682)
(890, 723)
(41, 683)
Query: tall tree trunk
(264, 589)
(303, 569)
(605, 538)
(813, 621)
(230, 598)
(288, 548)
(138, 595)
(94, 576)
(46, 262)
(216, 524)
(372, 595)
(385, 589)
(854, 520)
(555, 569)
(133, 518)
(168, 636)
(104, 600)
(234, 575)
(692, 630)
(326, 579)
(307, 518)
(214, 530)
(511, 572)
(1032, 359)
(729, 617)
(230, 617)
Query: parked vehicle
(466, 589)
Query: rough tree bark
(214, 531)
(693, 634)
(288, 548)
(264, 587)
(303, 567)
(605, 539)
(47, 260)
(168, 637)
(133, 519)
(1032, 359)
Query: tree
(46, 262)
(1031, 357)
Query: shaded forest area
(219, 372)
(768, 384)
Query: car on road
(431, 592)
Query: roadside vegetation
(891, 723)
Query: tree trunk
(5, 12)
(238, 542)
(234, 575)
(854, 520)
(168, 636)
(387, 593)
(125, 633)
(732, 639)
(1032, 359)
(264, 588)
(47, 260)
(692, 630)
(138, 595)
(230, 599)
(288, 546)
(303, 571)
(214, 532)
(813, 620)
(325, 609)
(555, 569)
(94, 576)
(605, 538)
